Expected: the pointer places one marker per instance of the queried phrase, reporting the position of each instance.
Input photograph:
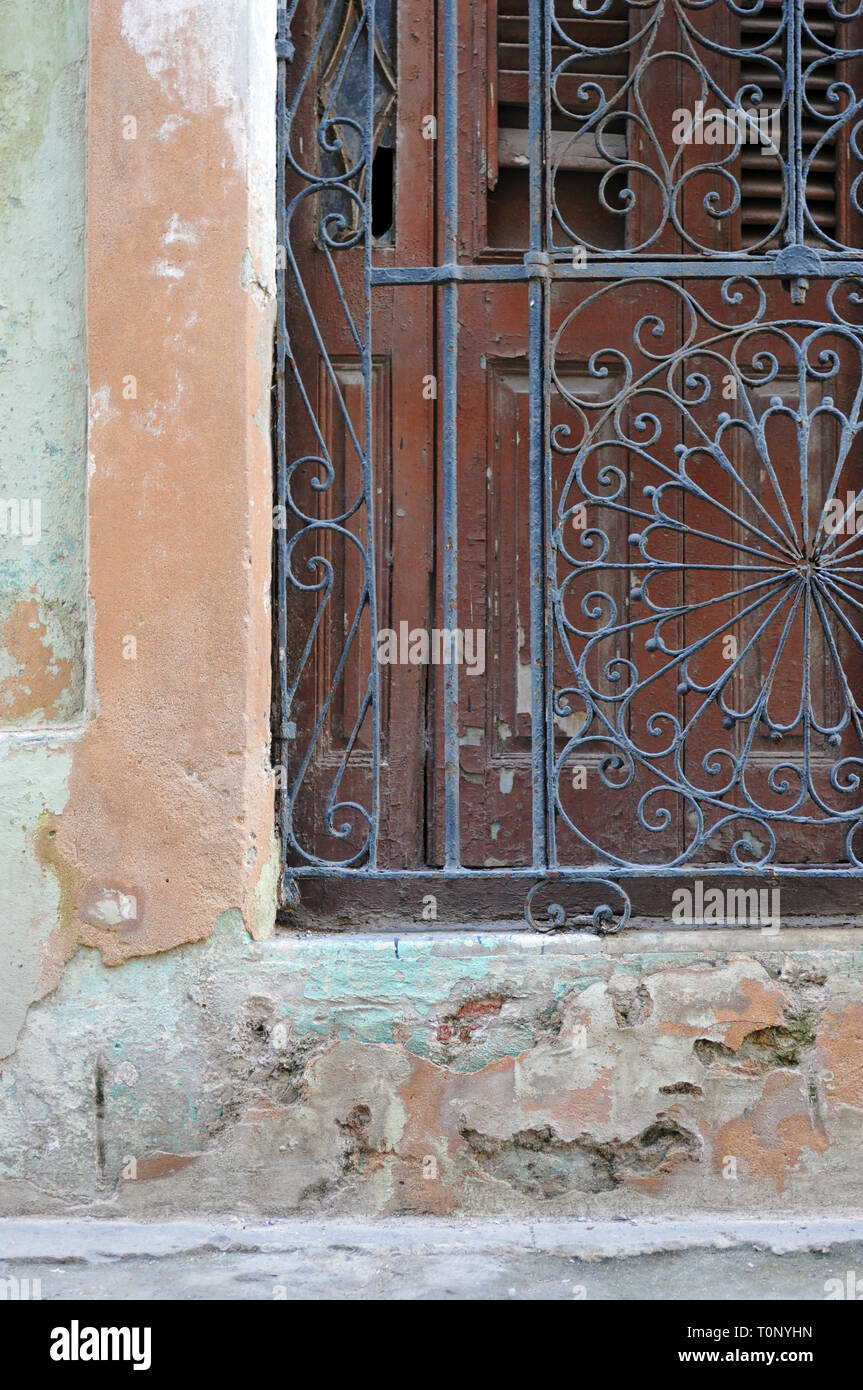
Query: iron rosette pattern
(619, 71)
(707, 649)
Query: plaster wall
(134, 670)
(43, 362)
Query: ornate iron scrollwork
(633, 136)
(704, 439)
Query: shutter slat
(513, 57)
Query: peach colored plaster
(170, 795)
(841, 1045)
(770, 1137)
(38, 686)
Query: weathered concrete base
(709, 1259)
(504, 1074)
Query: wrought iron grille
(694, 480)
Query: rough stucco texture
(43, 466)
(169, 819)
(444, 1074)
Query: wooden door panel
(494, 583)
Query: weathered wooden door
(570, 377)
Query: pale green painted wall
(43, 452)
(43, 363)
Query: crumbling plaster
(43, 365)
(444, 1073)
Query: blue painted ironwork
(449, 441)
(641, 156)
(600, 606)
(795, 57)
(339, 228)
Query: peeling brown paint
(756, 1001)
(112, 907)
(425, 1095)
(160, 1165)
(467, 1019)
(841, 1052)
(61, 943)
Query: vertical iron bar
(796, 178)
(449, 409)
(286, 887)
(537, 293)
(550, 559)
(368, 460)
(794, 21)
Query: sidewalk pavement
(712, 1258)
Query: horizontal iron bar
(445, 274)
(589, 875)
(603, 270)
(757, 268)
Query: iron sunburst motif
(708, 578)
